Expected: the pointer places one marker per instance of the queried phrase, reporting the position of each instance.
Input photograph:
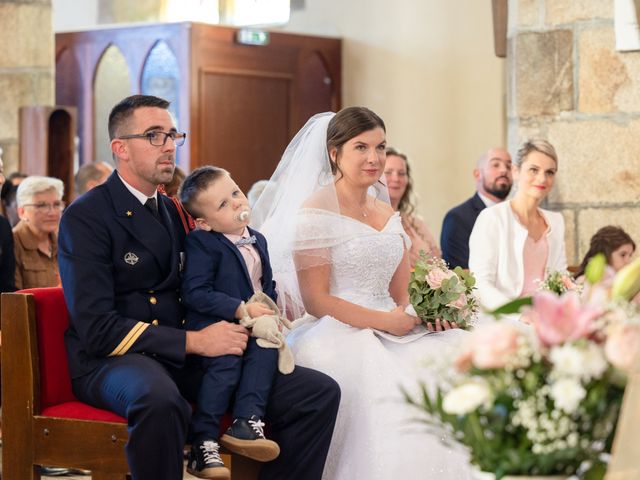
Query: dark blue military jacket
(216, 279)
(120, 270)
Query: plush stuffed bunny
(266, 329)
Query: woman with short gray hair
(40, 207)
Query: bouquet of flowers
(559, 283)
(435, 291)
(543, 398)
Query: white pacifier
(243, 216)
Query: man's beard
(500, 191)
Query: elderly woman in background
(515, 242)
(400, 184)
(40, 207)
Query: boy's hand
(258, 309)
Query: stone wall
(26, 67)
(568, 84)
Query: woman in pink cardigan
(514, 243)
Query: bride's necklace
(359, 210)
(356, 208)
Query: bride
(340, 258)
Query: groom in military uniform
(120, 249)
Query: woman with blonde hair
(514, 243)
(35, 236)
(398, 174)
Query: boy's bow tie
(246, 241)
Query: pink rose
(561, 319)
(622, 346)
(464, 361)
(493, 345)
(459, 303)
(435, 277)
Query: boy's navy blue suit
(120, 269)
(216, 281)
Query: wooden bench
(42, 421)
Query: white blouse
(496, 253)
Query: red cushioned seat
(56, 397)
(81, 411)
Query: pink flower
(493, 345)
(561, 319)
(458, 303)
(435, 277)
(464, 361)
(623, 344)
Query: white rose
(595, 362)
(584, 362)
(567, 394)
(466, 397)
(567, 361)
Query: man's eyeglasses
(159, 139)
(43, 207)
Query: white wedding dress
(377, 435)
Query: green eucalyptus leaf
(512, 307)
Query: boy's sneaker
(205, 462)
(246, 437)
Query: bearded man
(493, 184)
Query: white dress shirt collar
(487, 201)
(137, 193)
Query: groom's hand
(220, 338)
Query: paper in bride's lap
(418, 331)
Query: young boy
(226, 262)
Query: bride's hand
(400, 323)
(441, 325)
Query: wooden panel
(68, 81)
(61, 150)
(245, 121)
(135, 43)
(305, 60)
(102, 446)
(215, 49)
(315, 86)
(18, 333)
(500, 16)
(47, 143)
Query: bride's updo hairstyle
(346, 124)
